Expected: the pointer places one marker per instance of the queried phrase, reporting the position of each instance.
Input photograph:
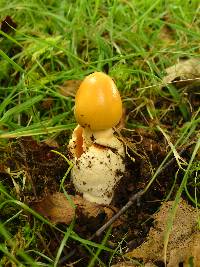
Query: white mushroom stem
(98, 163)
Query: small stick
(118, 214)
(133, 198)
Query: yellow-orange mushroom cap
(98, 104)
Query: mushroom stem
(99, 166)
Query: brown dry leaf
(7, 25)
(184, 254)
(184, 240)
(69, 88)
(184, 70)
(58, 209)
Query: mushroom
(97, 154)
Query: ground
(151, 50)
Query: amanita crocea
(98, 155)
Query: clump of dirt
(184, 240)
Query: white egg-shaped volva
(98, 168)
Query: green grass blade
(63, 243)
(10, 38)
(172, 212)
(21, 107)
(13, 63)
(93, 260)
(31, 131)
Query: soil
(43, 171)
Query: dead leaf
(184, 70)
(184, 254)
(7, 25)
(69, 88)
(58, 209)
(184, 240)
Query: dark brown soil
(45, 169)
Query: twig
(134, 197)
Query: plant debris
(7, 25)
(184, 240)
(39, 180)
(58, 209)
(184, 70)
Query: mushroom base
(98, 169)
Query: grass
(55, 41)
